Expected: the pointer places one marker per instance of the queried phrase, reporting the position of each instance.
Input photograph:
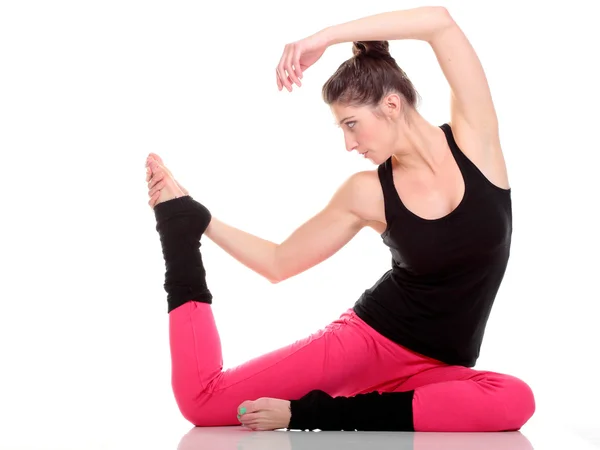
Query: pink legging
(345, 358)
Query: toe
(246, 408)
(157, 158)
(248, 411)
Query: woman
(401, 358)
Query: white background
(88, 89)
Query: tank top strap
(465, 165)
(394, 207)
(392, 204)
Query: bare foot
(161, 184)
(158, 159)
(265, 414)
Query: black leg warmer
(388, 411)
(180, 223)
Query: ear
(391, 105)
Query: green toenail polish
(242, 410)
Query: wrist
(326, 36)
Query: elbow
(275, 272)
(274, 279)
(439, 9)
(276, 275)
(445, 18)
(279, 270)
(442, 19)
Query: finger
(280, 64)
(297, 67)
(281, 69)
(288, 67)
(148, 174)
(157, 167)
(285, 81)
(157, 158)
(156, 188)
(158, 176)
(153, 200)
(155, 179)
(279, 85)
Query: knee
(188, 407)
(200, 405)
(520, 402)
(206, 410)
(191, 403)
(199, 417)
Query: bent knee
(520, 402)
(189, 409)
(198, 416)
(191, 402)
(206, 410)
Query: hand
(297, 57)
(155, 184)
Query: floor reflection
(240, 438)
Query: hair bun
(373, 49)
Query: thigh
(446, 373)
(339, 359)
(328, 359)
(440, 374)
(455, 398)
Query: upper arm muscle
(322, 235)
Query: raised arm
(472, 109)
(473, 115)
(313, 242)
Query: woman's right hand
(297, 57)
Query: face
(371, 135)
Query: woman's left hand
(297, 57)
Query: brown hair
(368, 76)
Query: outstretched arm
(313, 242)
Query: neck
(416, 146)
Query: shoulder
(366, 196)
(364, 184)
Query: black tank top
(437, 297)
